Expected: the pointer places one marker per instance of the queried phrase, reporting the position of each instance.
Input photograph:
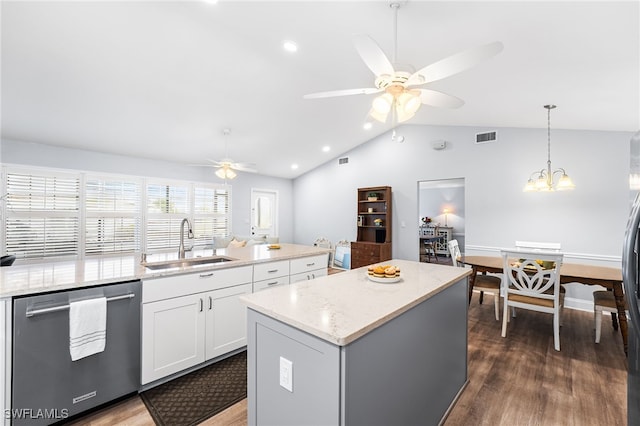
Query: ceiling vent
(343, 160)
(486, 137)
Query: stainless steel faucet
(190, 236)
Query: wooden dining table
(610, 278)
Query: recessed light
(326, 148)
(211, 1)
(367, 126)
(290, 46)
(294, 166)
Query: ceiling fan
(401, 98)
(227, 167)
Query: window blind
(42, 214)
(167, 204)
(112, 218)
(211, 215)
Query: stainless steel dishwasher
(47, 386)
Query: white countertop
(342, 307)
(18, 280)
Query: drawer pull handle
(311, 264)
(273, 283)
(210, 303)
(272, 271)
(201, 305)
(206, 275)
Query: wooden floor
(517, 380)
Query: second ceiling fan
(402, 97)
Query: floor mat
(193, 398)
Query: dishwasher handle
(29, 313)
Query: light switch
(286, 374)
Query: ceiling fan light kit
(544, 179)
(400, 100)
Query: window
(41, 214)
(112, 218)
(210, 213)
(52, 213)
(167, 205)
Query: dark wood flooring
(522, 380)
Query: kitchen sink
(179, 263)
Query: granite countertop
(342, 307)
(19, 280)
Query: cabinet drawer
(306, 264)
(190, 283)
(365, 251)
(274, 282)
(265, 271)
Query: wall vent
(343, 160)
(486, 137)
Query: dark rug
(193, 398)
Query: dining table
(610, 278)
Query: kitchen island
(344, 350)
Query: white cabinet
(188, 319)
(308, 268)
(172, 336)
(226, 321)
(271, 274)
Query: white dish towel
(87, 327)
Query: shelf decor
(378, 222)
(372, 196)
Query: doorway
(441, 204)
(264, 212)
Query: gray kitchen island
(345, 350)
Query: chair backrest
(532, 273)
(454, 251)
(538, 246)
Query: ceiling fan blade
(454, 64)
(345, 92)
(439, 99)
(244, 167)
(372, 55)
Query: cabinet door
(226, 320)
(306, 276)
(172, 336)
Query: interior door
(264, 212)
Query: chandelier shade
(543, 180)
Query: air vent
(486, 137)
(343, 160)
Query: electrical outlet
(286, 374)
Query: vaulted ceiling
(162, 79)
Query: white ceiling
(161, 79)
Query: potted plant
(378, 222)
(372, 196)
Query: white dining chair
(528, 284)
(603, 300)
(483, 283)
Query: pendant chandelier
(543, 180)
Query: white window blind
(211, 213)
(112, 218)
(167, 205)
(42, 214)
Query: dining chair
(538, 246)
(482, 283)
(532, 281)
(604, 300)
(432, 245)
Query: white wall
(27, 153)
(589, 221)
